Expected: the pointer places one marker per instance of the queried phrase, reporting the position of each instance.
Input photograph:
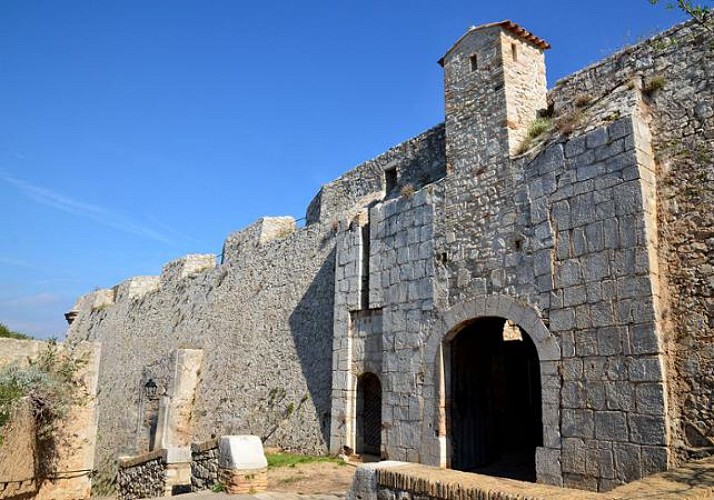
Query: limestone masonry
(525, 290)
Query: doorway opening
(369, 415)
(494, 419)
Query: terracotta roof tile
(511, 27)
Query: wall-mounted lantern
(150, 390)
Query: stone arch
(461, 314)
(506, 307)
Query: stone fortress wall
(263, 318)
(597, 243)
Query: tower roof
(516, 29)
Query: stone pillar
(176, 421)
(243, 467)
(177, 475)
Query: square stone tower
(494, 81)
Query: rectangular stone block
(577, 423)
(646, 429)
(620, 396)
(644, 369)
(628, 461)
(611, 426)
(573, 456)
(548, 462)
(650, 398)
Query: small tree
(702, 11)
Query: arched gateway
(495, 413)
(498, 403)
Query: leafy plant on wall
(702, 12)
(50, 385)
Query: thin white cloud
(37, 300)
(100, 215)
(8, 261)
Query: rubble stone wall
(204, 465)
(142, 477)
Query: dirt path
(319, 477)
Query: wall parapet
(186, 266)
(262, 231)
(599, 78)
(136, 287)
(415, 162)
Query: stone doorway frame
(358, 427)
(528, 319)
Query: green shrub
(5, 332)
(49, 384)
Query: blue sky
(134, 132)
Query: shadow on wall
(311, 325)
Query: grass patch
(408, 190)
(653, 84)
(539, 127)
(276, 460)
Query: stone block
(241, 452)
(646, 429)
(574, 296)
(611, 426)
(572, 369)
(620, 395)
(628, 461)
(573, 456)
(586, 343)
(573, 395)
(595, 236)
(575, 146)
(609, 340)
(628, 198)
(178, 455)
(650, 398)
(619, 129)
(101, 299)
(562, 320)
(597, 138)
(595, 397)
(548, 462)
(601, 314)
(187, 266)
(654, 459)
(243, 482)
(577, 423)
(580, 481)
(595, 266)
(644, 369)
